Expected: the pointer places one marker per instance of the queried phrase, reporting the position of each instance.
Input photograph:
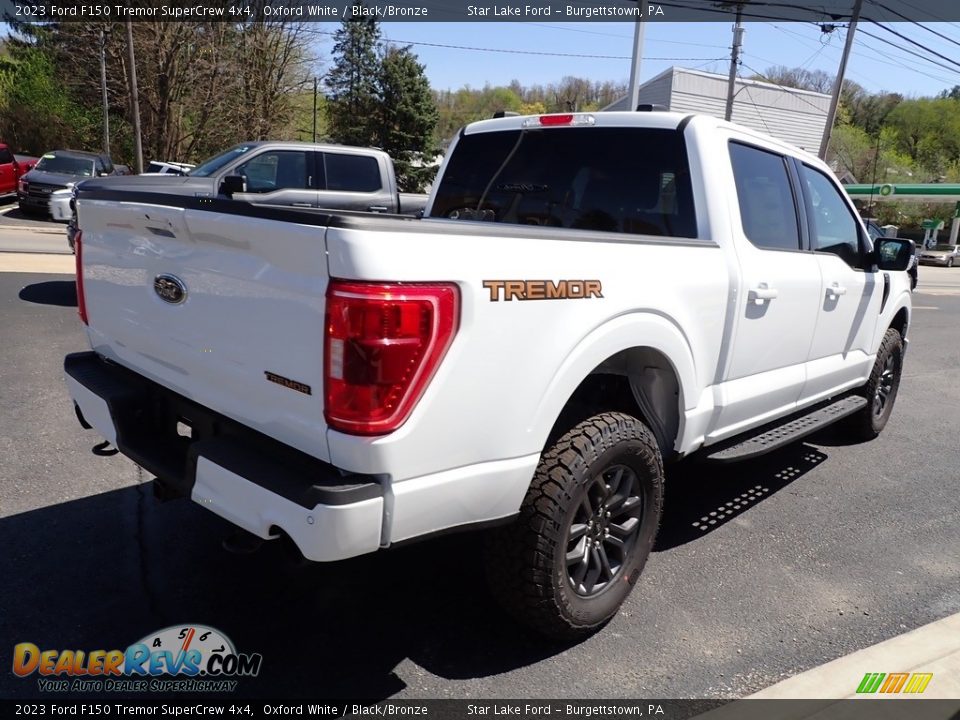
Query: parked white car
(588, 298)
(155, 167)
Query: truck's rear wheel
(585, 529)
(880, 390)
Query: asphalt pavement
(12, 216)
(762, 571)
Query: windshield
(209, 167)
(948, 248)
(66, 165)
(627, 180)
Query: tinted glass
(209, 167)
(834, 227)
(352, 173)
(275, 170)
(66, 165)
(626, 180)
(767, 209)
(5, 156)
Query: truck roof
(654, 119)
(303, 144)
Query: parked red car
(12, 168)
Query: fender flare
(903, 301)
(643, 329)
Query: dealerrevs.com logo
(184, 658)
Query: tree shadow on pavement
(62, 293)
(104, 571)
(107, 570)
(702, 496)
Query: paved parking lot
(805, 555)
(11, 215)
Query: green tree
(408, 118)
(38, 113)
(352, 82)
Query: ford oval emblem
(170, 289)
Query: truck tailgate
(219, 307)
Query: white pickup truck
(589, 297)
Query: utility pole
(314, 108)
(134, 100)
(734, 62)
(633, 96)
(838, 85)
(103, 87)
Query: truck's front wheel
(585, 529)
(880, 390)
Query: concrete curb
(933, 648)
(35, 228)
(829, 692)
(45, 263)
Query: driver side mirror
(233, 184)
(893, 253)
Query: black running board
(771, 437)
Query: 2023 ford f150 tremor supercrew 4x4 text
(589, 297)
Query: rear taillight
(383, 344)
(81, 299)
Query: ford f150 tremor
(589, 297)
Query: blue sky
(874, 64)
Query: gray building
(794, 116)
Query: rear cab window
(352, 173)
(623, 180)
(768, 209)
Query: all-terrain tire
(880, 389)
(585, 530)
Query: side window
(767, 208)
(275, 170)
(834, 228)
(98, 167)
(352, 173)
(6, 156)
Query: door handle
(377, 208)
(836, 289)
(762, 292)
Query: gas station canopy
(931, 192)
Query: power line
(901, 15)
(883, 57)
(523, 52)
(791, 91)
(914, 42)
(910, 52)
(755, 106)
(626, 37)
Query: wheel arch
(901, 321)
(641, 364)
